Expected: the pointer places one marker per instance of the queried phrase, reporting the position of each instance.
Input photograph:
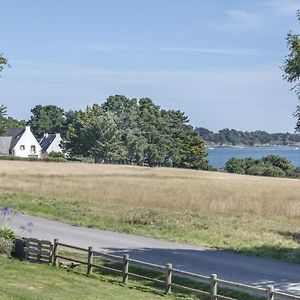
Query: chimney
(27, 128)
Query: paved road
(230, 266)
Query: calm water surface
(219, 156)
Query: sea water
(218, 156)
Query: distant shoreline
(251, 146)
(218, 156)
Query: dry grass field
(164, 188)
(244, 213)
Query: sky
(218, 61)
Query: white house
(20, 142)
(51, 143)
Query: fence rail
(38, 250)
(168, 271)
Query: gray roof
(14, 134)
(47, 140)
(5, 142)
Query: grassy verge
(150, 273)
(274, 237)
(23, 280)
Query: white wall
(27, 140)
(54, 146)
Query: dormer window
(22, 147)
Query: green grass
(155, 275)
(24, 280)
(274, 236)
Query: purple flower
(6, 217)
(5, 211)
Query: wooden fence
(213, 281)
(38, 250)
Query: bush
(273, 172)
(54, 159)
(54, 154)
(46, 159)
(7, 234)
(297, 172)
(7, 239)
(6, 246)
(271, 165)
(278, 161)
(257, 170)
(235, 165)
(10, 157)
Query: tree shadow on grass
(144, 285)
(284, 254)
(295, 236)
(288, 254)
(232, 266)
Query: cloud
(223, 51)
(46, 68)
(176, 49)
(109, 48)
(238, 20)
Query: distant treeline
(249, 138)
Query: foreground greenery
(271, 165)
(24, 280)
(268, 236)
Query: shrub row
(47, 159)
(271, 165)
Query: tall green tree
(3, 111)
(124, 130)
(194, 155)
(8, 122)
(3, 62)
(127, 117)
(291, 66)
(48, 118)
(94, 134)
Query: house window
(32, 149)
(22, 147)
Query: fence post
(125, 268)
(50, 254)
(169, 271)
(54, 253)
(39, 248)
(270, 292)
(27, 249)
(90, 261)
(213, 287)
